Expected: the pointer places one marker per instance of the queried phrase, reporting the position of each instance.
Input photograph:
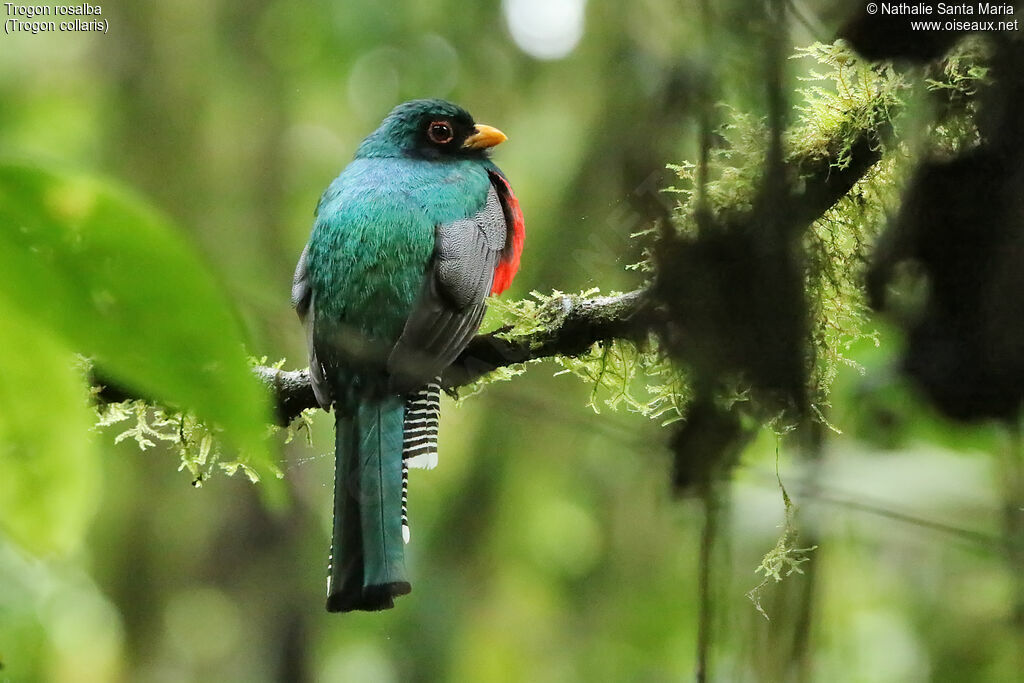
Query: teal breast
(374, 236)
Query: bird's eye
(440, 132)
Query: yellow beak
(484, 137)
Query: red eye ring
(440, 132)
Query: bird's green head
(430, 129)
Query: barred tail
(422, 412)
(405, 502)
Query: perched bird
(407, 244)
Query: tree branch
(574, 324)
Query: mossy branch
(818, 171)
(572, 326)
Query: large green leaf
(116, 281)
(49, 477)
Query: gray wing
(302, 293)
(302, 301)
(451, 304)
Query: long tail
(367, 567)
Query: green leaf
(49, 476)
(117, 282)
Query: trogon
(408, 243)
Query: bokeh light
(545, 29)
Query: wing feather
(451, 303)
(302, 301)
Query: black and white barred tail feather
(422, 412)
(405, 502)
(419, 439)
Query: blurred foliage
(49, 485)
(100, 271)
(547, 546)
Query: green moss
(199, 447)
(622, 374)
(785, 558)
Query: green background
(548, 545)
